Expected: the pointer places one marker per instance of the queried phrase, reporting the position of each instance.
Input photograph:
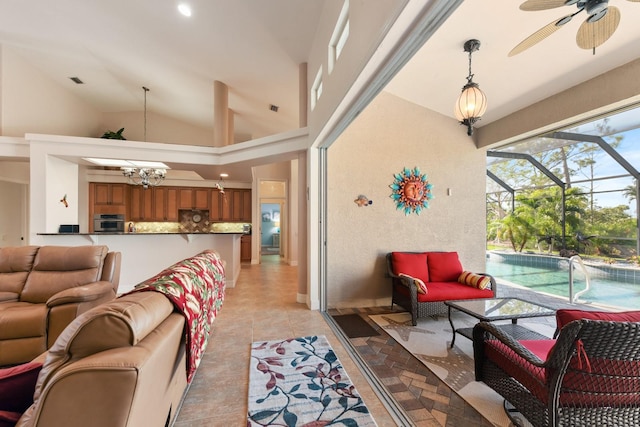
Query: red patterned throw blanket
(195, 286)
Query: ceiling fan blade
(592, 34)
(535, 38)
(533, 5)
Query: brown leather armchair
(42, 289)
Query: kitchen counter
(134, 234)
(147, 254)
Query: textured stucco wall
(387, 136)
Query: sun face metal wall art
(411, 191)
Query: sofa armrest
(86, 293)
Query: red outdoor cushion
(17, 385)
(600, 383)
(444, 266)
(564, 316)
(411, 264)
(540, 348)
(439, 291)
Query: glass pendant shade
(471, 104)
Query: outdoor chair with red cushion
(588, 376)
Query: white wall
(389, 135)
(368, 23)
(159, 128)
(13, 214)
(32, 102)
(61, 181)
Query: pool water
(556, 282)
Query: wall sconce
(472, 102)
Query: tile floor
(262, 306)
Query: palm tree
(630, 191)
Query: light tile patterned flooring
(262, 306)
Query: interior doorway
(273, 219)
(270, 228)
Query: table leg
(453, 329)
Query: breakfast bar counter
(146, 254)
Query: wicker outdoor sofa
(588, 376)
(442, 278)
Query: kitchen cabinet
(193, 198)
(245, 248)
(236, 205)
(215, 205)
(155, 204)
(140, 203)
(107, 198)
(164, 205)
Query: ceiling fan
(601, 22)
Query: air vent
(76, 80)
(274, 108)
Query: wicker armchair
(589, 376)
(405, 294)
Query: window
(316, 89)
(339, 36)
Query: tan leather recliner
(122, 364)
(42, 289)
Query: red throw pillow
(444, 266)
(17, 385)
(411, 264)
(564, 316)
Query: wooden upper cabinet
(171, 204)
(140, 203)
(246, 206)
(226, 201)
(108, 194)
(105, 198)
(193, 198)
(236, 205)
(215, 206)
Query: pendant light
(472, 102)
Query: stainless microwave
(108, 223)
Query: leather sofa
(127, 362)
(42, 289)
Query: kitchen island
(146, 254)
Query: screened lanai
(574, 188)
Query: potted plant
(114, 135)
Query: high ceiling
(255, 47)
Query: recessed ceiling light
(224, 175)
(184, 9)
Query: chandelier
(144, 176)
(472, 102)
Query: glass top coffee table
(489, 310)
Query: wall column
(220, 114)
(302, 95)
(231, 128)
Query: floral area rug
(430, 340)
(301, 382)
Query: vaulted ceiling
(254, 46)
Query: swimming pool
(550, 275)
